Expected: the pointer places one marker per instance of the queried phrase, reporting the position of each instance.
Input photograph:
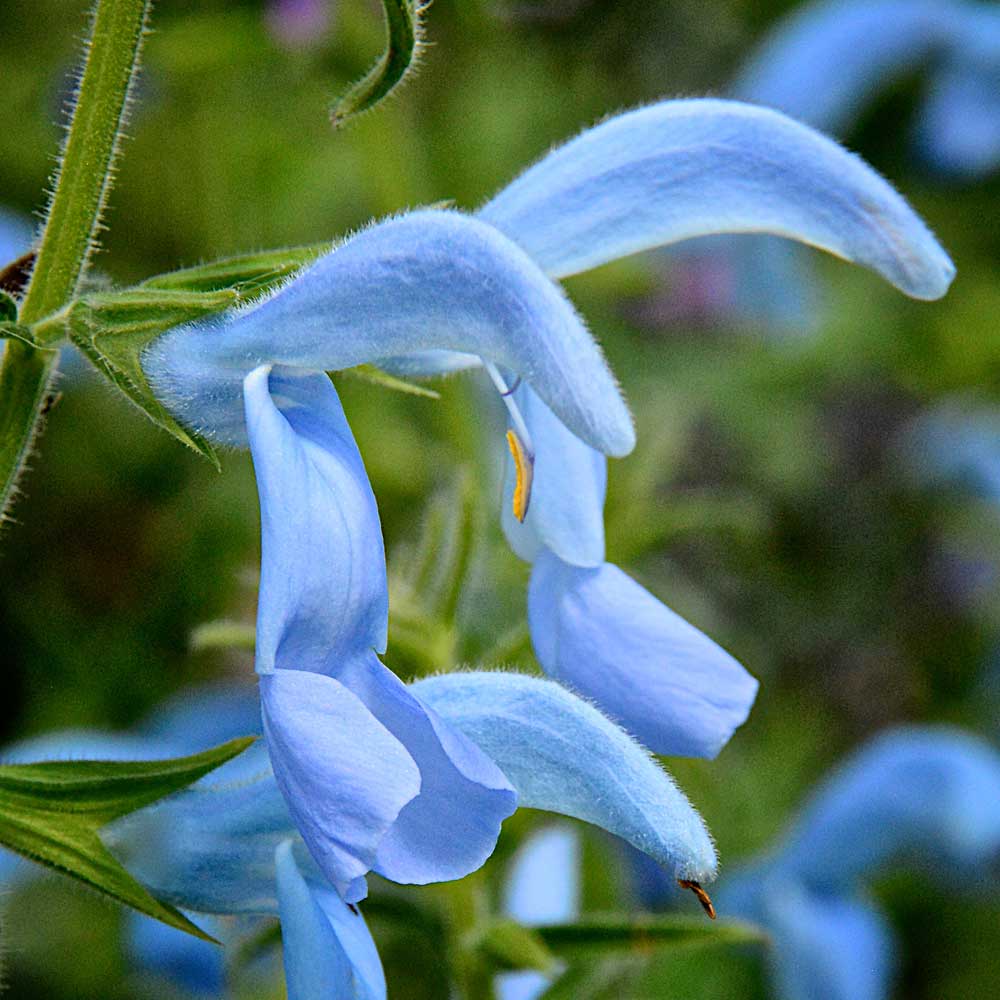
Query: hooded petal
(323, 592)
(344, 776)
(427, 280)
(689, 168)
(826, 61)
(601, 633)
(562, 755)
(923, 794)
(328, 951)
(566, 513)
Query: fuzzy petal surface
(681, 169)
(564, 756)
(426, 280)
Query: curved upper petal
(689, 168)
(566, 513)
(922, 794)
(344, 776)
(562, 755)
(827, 60)
(327, 949)
(607, 637)
(451, 827)
(323, 591)
(430, 279)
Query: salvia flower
(416, 289)
(229, 846)
(914, 796)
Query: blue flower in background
(543, 887)
(926, 797)
(15, 236)
(413, 291)
(824, 65)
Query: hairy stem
(80, 190)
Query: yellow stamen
(524, 466)
(703, 897)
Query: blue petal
(827, 947)
(566, 513)
(427, 280)
(689, 168)
(156, 948)
(323, 593)
(915, 793)
(608, 638)
(200, 717)
(562, 755)
(959, 127)
(344, 776)
(825, 62)
(328, 951)
(451, 827)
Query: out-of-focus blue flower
(824, 65)
(543, 887)
(300, 23)
(914, 796)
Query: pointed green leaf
(508, 946)
(50, 812)
(8, 308)
(375, 375)
(249, 273)
(404, 32)
(113, 329)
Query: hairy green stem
(81, 188)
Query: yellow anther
(524, 466)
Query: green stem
(81, 188)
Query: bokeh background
(771, 499)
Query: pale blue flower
(15, 236)
(666, 173)
(825, 64)
(373, 778)
(229, 846)
(915, 796)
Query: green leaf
(603, 934)
(79, 193)
(508, 946)
(404, 32)
(223, 635)
(375, 375)
(51, 812)
(248, 273)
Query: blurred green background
(766, 502)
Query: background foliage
(767, 501)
